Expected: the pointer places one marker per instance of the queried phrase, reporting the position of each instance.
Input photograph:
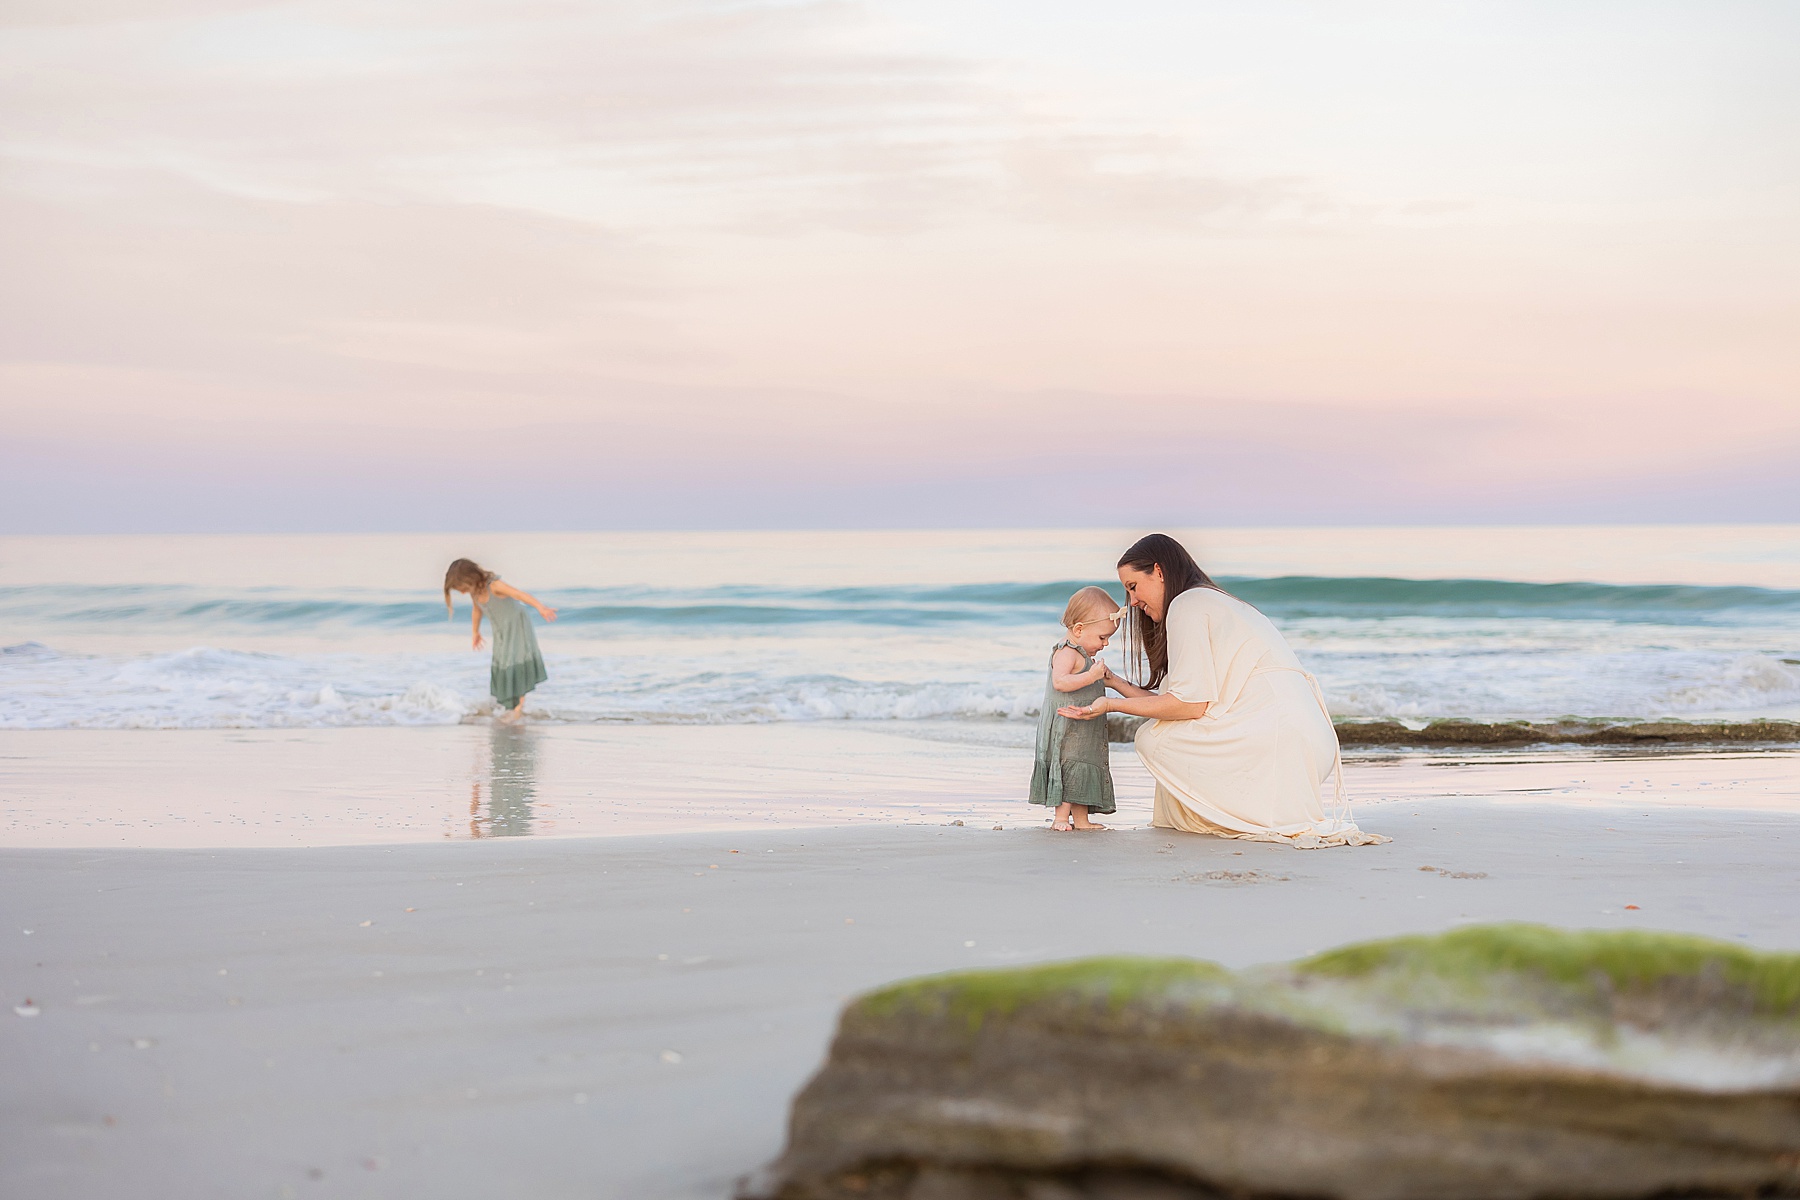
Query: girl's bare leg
(1080, 820)
(1062, 816)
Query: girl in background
(517, 667)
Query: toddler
(1072, 771)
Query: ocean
(948, 627)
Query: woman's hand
(480, 641)
(549, 614)
(1078, 712)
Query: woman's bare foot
(1061, 821)
(1085, 826)
(513, 716)
(1061, 826)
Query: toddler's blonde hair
(1089, 604)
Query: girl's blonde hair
(465, 575)
(1089, 604)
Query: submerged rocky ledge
(1570, 733)
(1529, 733)
(1490, 1063)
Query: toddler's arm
(1064, 675)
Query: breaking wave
(209, 687)
(275, 610)
(1393, 649)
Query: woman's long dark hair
(1180, 574)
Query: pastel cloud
(765, 263)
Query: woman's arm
(1125, 687)
(1065, 679)
(507, 589)
(1151, 704)
(476, 621)
(1190, 663)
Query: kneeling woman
(1239, 741)
(517, 667)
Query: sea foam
(181, 656)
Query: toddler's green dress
(1072, 765)
(517, 667)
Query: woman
(1239, 741)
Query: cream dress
(1255, 765)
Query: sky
(345, 265)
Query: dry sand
(628, 1017)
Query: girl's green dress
(1072, 756)
(518, 667)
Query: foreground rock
(1492, 1062)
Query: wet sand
(628, 1016)
(382, 786)
(359, 786)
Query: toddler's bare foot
(1084, 826)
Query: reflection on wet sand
(329, 787)
(511, 784)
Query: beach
(542, 547)
(287, 913)
(628, 1016)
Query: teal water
(283, 610)
(745, 628)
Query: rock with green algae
(1491, 1063)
